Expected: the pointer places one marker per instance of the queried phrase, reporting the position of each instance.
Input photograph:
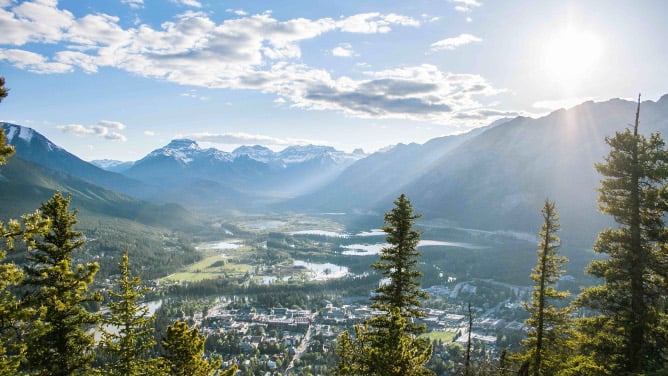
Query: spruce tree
(184, 351)
(11, 352)
(57, 290)
(549, 325)
(398, 264)
(128, 335)
(627, 333)
(387, 343)
(12, 315)
(5, 150)
(3, 89)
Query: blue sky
(118, 78)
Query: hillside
(33, 146)
(497, 179)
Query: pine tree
(3, 89)
(5, 150)
(184, 353)
(398, 265)
(627, 335)
(348, 350)
(57, 290)
(11, 352)
(387, 344)
(12, 316)
(131, 334)
(549, 325)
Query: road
(300, 349)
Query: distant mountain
(369, 183)
(245, 178)
(497, 178)
(24, 185)
(34, 147)
(112, 165)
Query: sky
(116, 79)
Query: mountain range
(493, 178)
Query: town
(302, 340)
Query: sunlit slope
(499, 178)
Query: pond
(230, 244)
(324, 271)
(374, 249)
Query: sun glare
(570, 56)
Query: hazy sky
(119, 78)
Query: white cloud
(111, 124)
(115, 136)
(430, 18)
(33, 62)
(255, 52)
(452, 43)
(371, 23)
(238, 12)
(343, 50)
(422, 93)
(240, 138)
(189, 3)
(103, 128)
(192, 93)
(149, 133)
(134, 3)
(36, 21)
(465, 6)
(76, 129)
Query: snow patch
(26, 134)
(11, 132)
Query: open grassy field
(446, 337)
(215, 264)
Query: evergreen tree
(387, 343)
(549, 325)
(131, 334)
(627, 335)
(184, 353)
(5, 150)
(348, 350)
(10, 275)
(57, 342)
(3, 89)
(12, 315)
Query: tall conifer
(184, 349)
(549, 325)
(57, 290)
(387, 344)
(128, 334)
(627, 333)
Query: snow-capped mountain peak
(183, 150)
(17, 134)
(257, 152)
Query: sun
(570, 56)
